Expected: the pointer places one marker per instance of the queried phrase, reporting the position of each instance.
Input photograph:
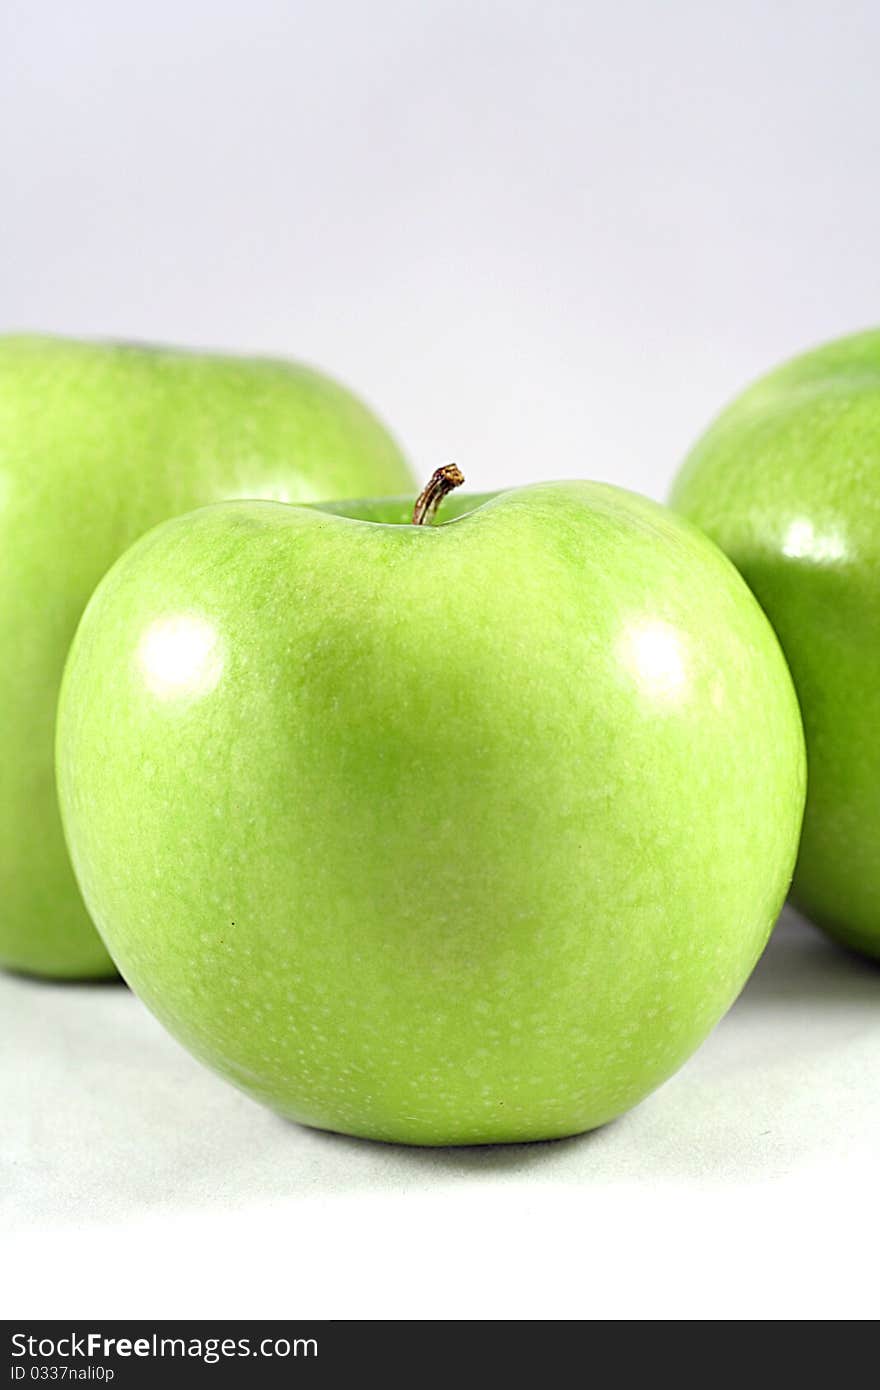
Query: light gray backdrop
(544, 238)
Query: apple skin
(787, 482)
(98, 443)
(446, 834)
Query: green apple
(787, 481)
(98, 443)
(450, 833)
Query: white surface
(545, 239)
(136, 1183)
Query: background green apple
(440, 834)
(787, 481)
(97, 444)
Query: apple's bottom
(92, 976)
(469, 1139)
(859, 941)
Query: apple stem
(441, 482)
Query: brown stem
(441, 482)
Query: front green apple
(99, 442)
(441, 834)
(787, 481)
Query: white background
(544, 239)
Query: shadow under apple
(108, 1118)
(804, 967)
